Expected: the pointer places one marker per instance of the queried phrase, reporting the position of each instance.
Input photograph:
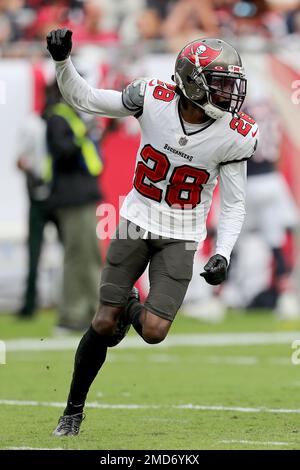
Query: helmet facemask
(221, 90)
(226, 91)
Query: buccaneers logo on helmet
(200, 54)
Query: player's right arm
(75, 90)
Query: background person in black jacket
(75, 165)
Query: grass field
(199, 394)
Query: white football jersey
(176, 171)
(177, 163)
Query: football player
(271, 210)
(191, 134)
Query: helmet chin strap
(212, 111)
(209, 109)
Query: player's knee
(104, 324)
(154, 335)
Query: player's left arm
(233, 180)
(232, 200)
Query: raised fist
(59, 43)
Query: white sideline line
(140, 406)
(225, 441)
(236, 441)
(238, 409)
(88, 405)
(217, 339)
(233, 360)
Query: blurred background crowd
(170, 23)
(114, 42)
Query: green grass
(162, 377)
(42, 325)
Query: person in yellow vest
(74, 166)
(31, 153)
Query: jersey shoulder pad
(243, 140)
(245, 129)
(133, 95)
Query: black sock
(89, 358)
(135, 310)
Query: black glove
(59, 43)
(215, 270)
